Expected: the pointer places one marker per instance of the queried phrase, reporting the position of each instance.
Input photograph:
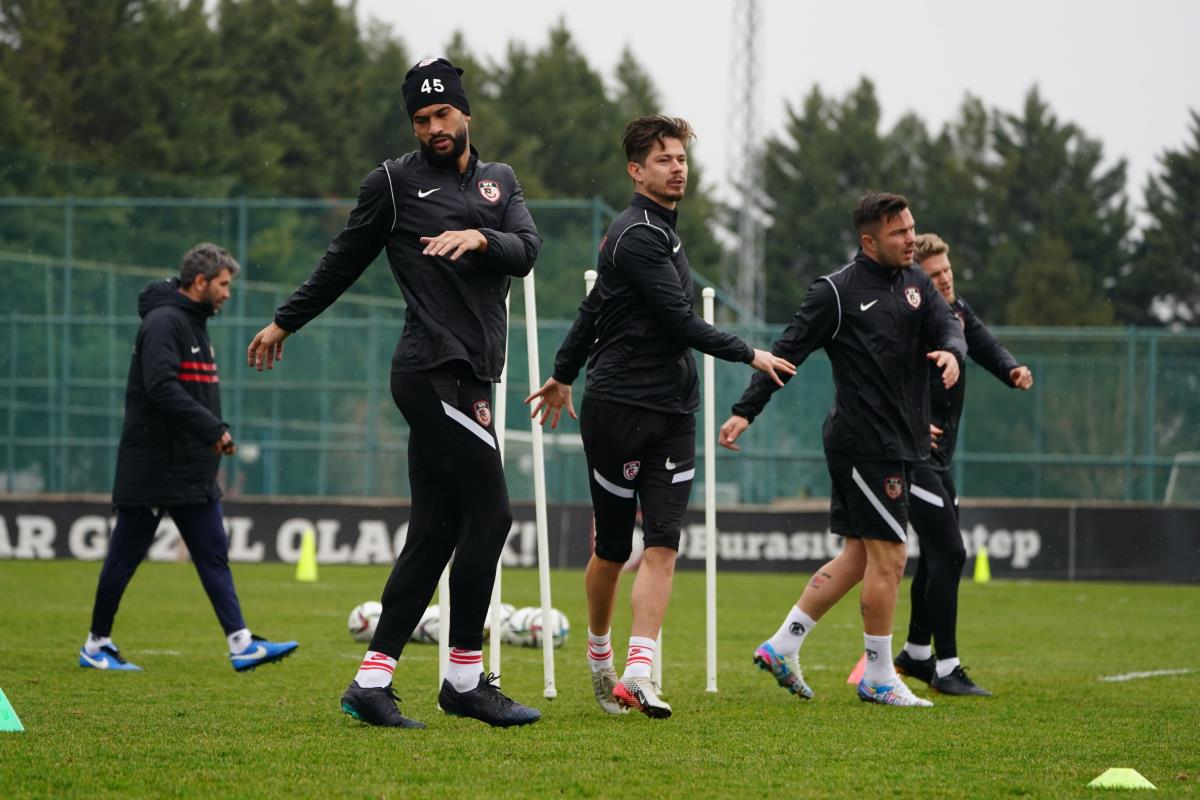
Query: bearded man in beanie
(456, 230)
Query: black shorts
(637, 455)
(869, 499)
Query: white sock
(946, 666)
(640, 657)
(600, 655)
(465, 670)
(239, 641)
(879, 658)
(921, 652)
(375, 671)
(93, 644)
(792, 633)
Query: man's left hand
(1022, 378)
(454, 243)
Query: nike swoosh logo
(865, 306)
(427, 192)
(678, 245)
(195, 349)
(670, 463)
(258, 652)
(97, 663)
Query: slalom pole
(494, 613)
(539, 492)
(710, 500)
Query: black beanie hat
(432, 81)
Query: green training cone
(306, 567)
(9, 721)
(1121, 778)
(983, 572)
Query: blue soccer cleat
(261, 652)
(108, 658)
(785, 669)
(891, 693)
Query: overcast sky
(1126, 71)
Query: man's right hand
(765, 361)
(731, 430)
(267, 346)
(935, 433)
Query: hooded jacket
(172, 405)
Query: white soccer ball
(559, 627)
(516, 631)
(506, 612)
(428, 626)
(363, 620)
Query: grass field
(189, 726)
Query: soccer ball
(506, 612)
(516, 631)
(559, 627)
(428, 626)
(363, 620)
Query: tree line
(296, 98)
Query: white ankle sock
(376, 670)
(792, 633)
(239, 641)
(93, 644)
(921, 652)
(466, 667)
(946, 666)
(879, 658)
(600, 655)
(640, 657)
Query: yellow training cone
(983, 573)
(306, 567)
(1121, 778)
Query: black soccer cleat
(376, 707)
(922, 670)
(958, 683)
(486, 703)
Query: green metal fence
(1115, 413)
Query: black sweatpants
(933, 511)
(203, 530)
(459, 506)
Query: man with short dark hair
(934, 591)
(880, 321)
(456, 230)
(636, 329)
(171, 447)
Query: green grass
(189, 726)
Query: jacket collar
(670, 215)
(875, 268)
(472, 160)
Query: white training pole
(539, 492)
(444, 625)
(501, 405)
(710, 498)
(656, 665)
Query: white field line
(1155, 673)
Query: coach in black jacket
(171, 447)
(636, 329)
(456, 229)
(881, 321)
(934, 509)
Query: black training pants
(459, 506)
(933, 512)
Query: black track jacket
(455, 309)
(876, 325)
(639, 323)
(946, 405)
(172, 405)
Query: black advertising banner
(1147, 543)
